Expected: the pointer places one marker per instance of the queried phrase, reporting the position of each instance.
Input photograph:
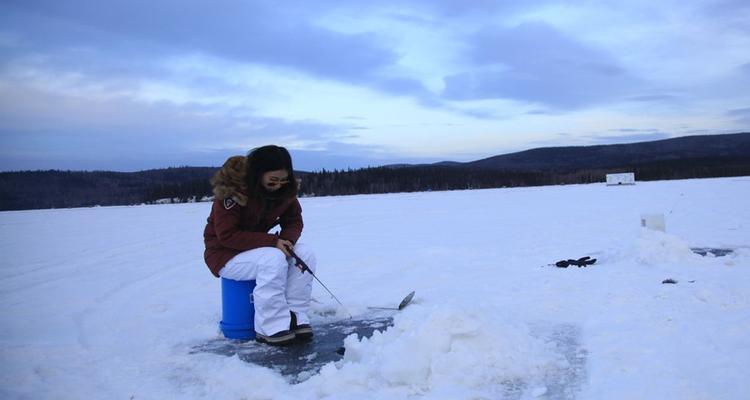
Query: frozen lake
(108, 302)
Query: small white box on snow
(627, 178)
(654, 222)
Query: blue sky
(130, 85)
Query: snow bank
(439, 350)
(655, 247)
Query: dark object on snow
(405, 302)
(581, 262)
(670, 280)
(283, 338)
(303, 359)
(704, 251)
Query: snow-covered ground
(107, 303)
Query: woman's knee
(272, 257)
(272, 266)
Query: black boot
(282, 338)
(303, 331)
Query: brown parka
(239, 222)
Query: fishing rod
(303, 266)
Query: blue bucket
(237, 309)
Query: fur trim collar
(229, 182)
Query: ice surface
(110, 302)
(299, 361)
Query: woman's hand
(284, 246)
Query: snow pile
(656, 247)
(439, 350)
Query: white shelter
(627, 178)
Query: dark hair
(269, 158)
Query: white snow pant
(279, 285)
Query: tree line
(26, 190)
(63, 189)
(435, 177)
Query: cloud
(655, 98)
(741, 116)
(254, 32)
(535, 63)
(137, 40)
(404, 86)
(339, 155)
(41, 129)
(461, 9)
(730, 14)
(166, 81)
(132, 39)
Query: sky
(140, 84)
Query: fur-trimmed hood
(229, 182)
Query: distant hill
(614, 155)
(679, 158)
